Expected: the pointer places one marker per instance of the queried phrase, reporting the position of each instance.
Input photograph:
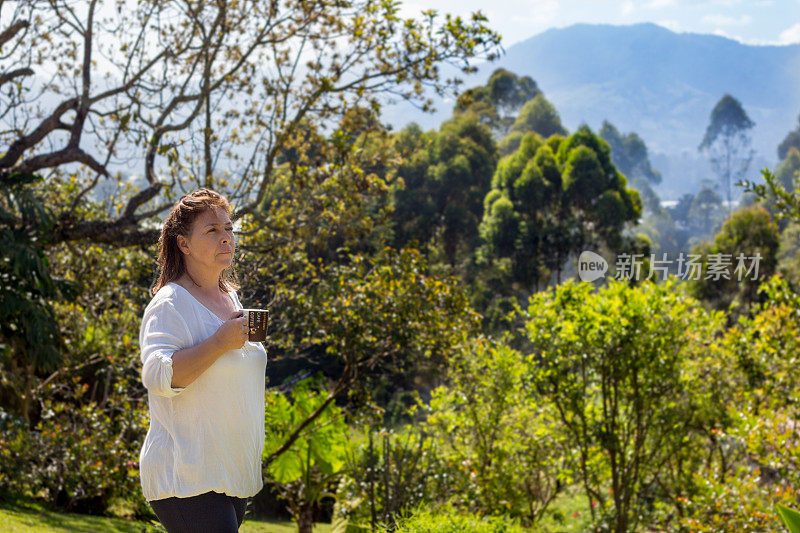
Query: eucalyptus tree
(728, 143)
(498, 102)
(551, 199)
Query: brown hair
(179, 222)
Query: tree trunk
(305, 520)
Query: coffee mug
(257, 322)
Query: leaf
(790, 517)
(286, 468)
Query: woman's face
(210, 244)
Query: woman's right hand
(232, 334)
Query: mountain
(660, 84)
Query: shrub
(76, 459)
(613, 364)
(390, 474)
(489, 418)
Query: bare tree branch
(5, 77)
(12, 30)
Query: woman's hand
(232, 334)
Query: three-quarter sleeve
(163, 332)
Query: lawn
(25, 516)
(567, 514)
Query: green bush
(486, 420)
(614, 363)
(392, 472)
(743, 497)
(88, 417)
(76, 459)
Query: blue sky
(747, 21)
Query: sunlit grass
(568, 513)
(27, 516)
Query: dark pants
(211, 512)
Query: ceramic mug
(257, 322)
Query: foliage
(792, 140)
(551, 199)
(728, 118)
(487, 418)
(77, 459)
(629, 154)
(754, 464)
(87, 414)
(789, 251)
(790, 517)
(784, 204)
(448, 519)
(30, 340)
(747, 247)
(764, 346)
(611, 362)
(445, 177)
(786, 178)
(325, 196)
(788, 171)
(744, 498)
(705, 212)
(540, 116)
(390, 320)
(510, 143)
(310, 468)
(497, 102)
(389, 477)
(319, 260)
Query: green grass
(560, 516)
(27, 516)
(23, 515)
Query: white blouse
(208, 435)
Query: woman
(201, 458)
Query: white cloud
(790, 35)
(658, 4)
(725, 20)
(627, 7)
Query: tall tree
(540, 116)
(498, 102)
(705, 211)
(550, 199)
(446, 178)
(728, 143)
